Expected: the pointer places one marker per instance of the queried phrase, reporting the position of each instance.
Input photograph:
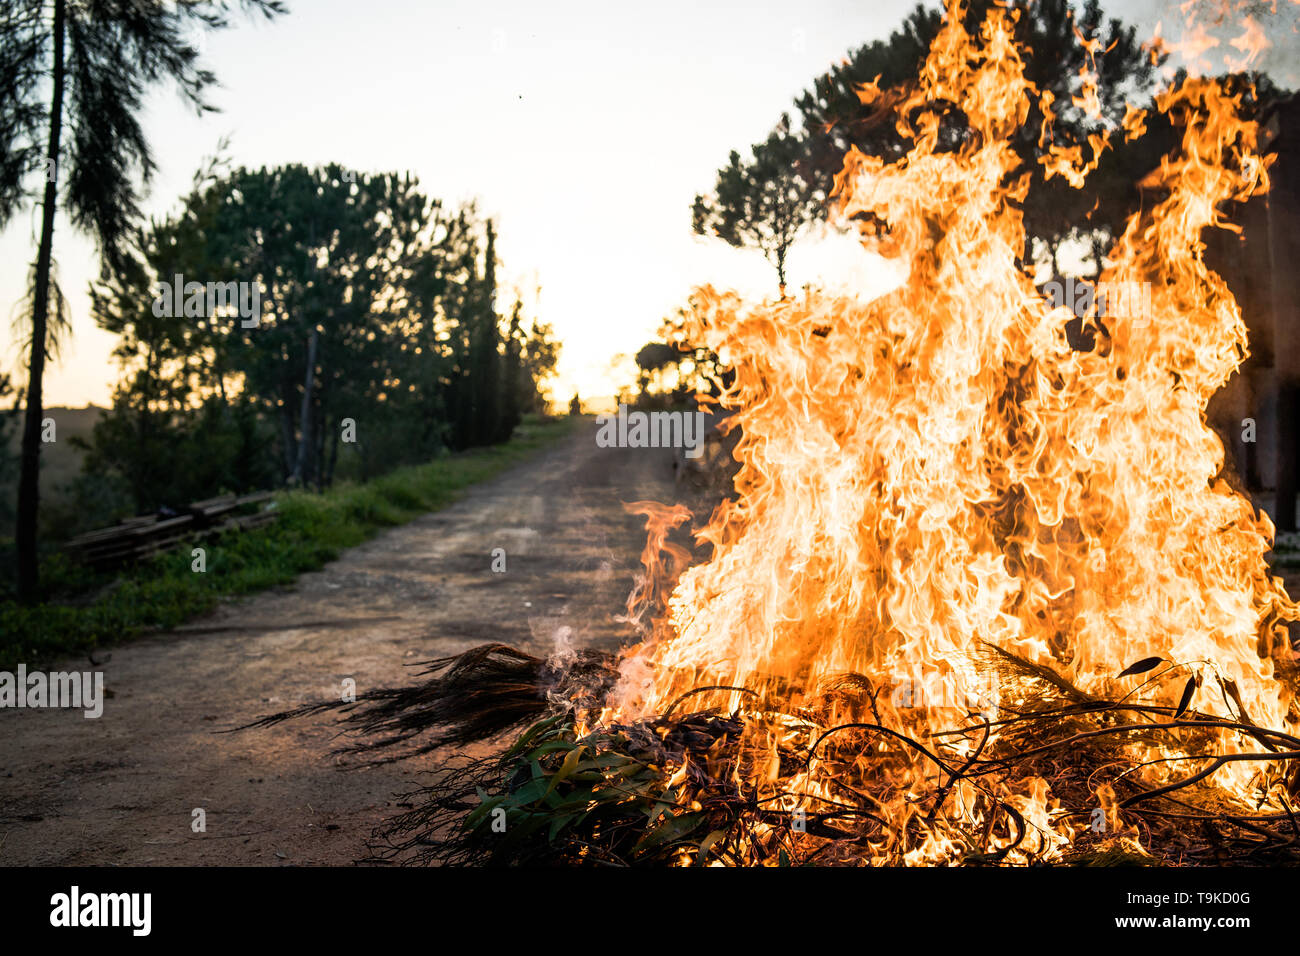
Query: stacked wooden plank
(138, 538)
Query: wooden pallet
(135, 539)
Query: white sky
(585, 129)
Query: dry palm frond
(58, 324)
(466, 698)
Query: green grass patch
(87, 611)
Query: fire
(937, 471)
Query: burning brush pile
(980, 598)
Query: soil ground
(122, 789)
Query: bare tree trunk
(334, 455)
(318, 466)
(29, 491)
(305, 444)
(286, 432)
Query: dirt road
(123, 789)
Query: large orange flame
(938, 469)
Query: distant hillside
(60, 462)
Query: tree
(346, 263)
(483, 378)
(377, 307)
(541, 355)
(85, 67)
(172, 402)
(512, 374)
(652, 359)
(765, 202)
(698, 370)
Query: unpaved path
(122, 790)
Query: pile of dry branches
(680, 788)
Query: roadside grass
(88, 611)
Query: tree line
(782, 188)
(772, 197)
(380, 338)
(380, 335)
